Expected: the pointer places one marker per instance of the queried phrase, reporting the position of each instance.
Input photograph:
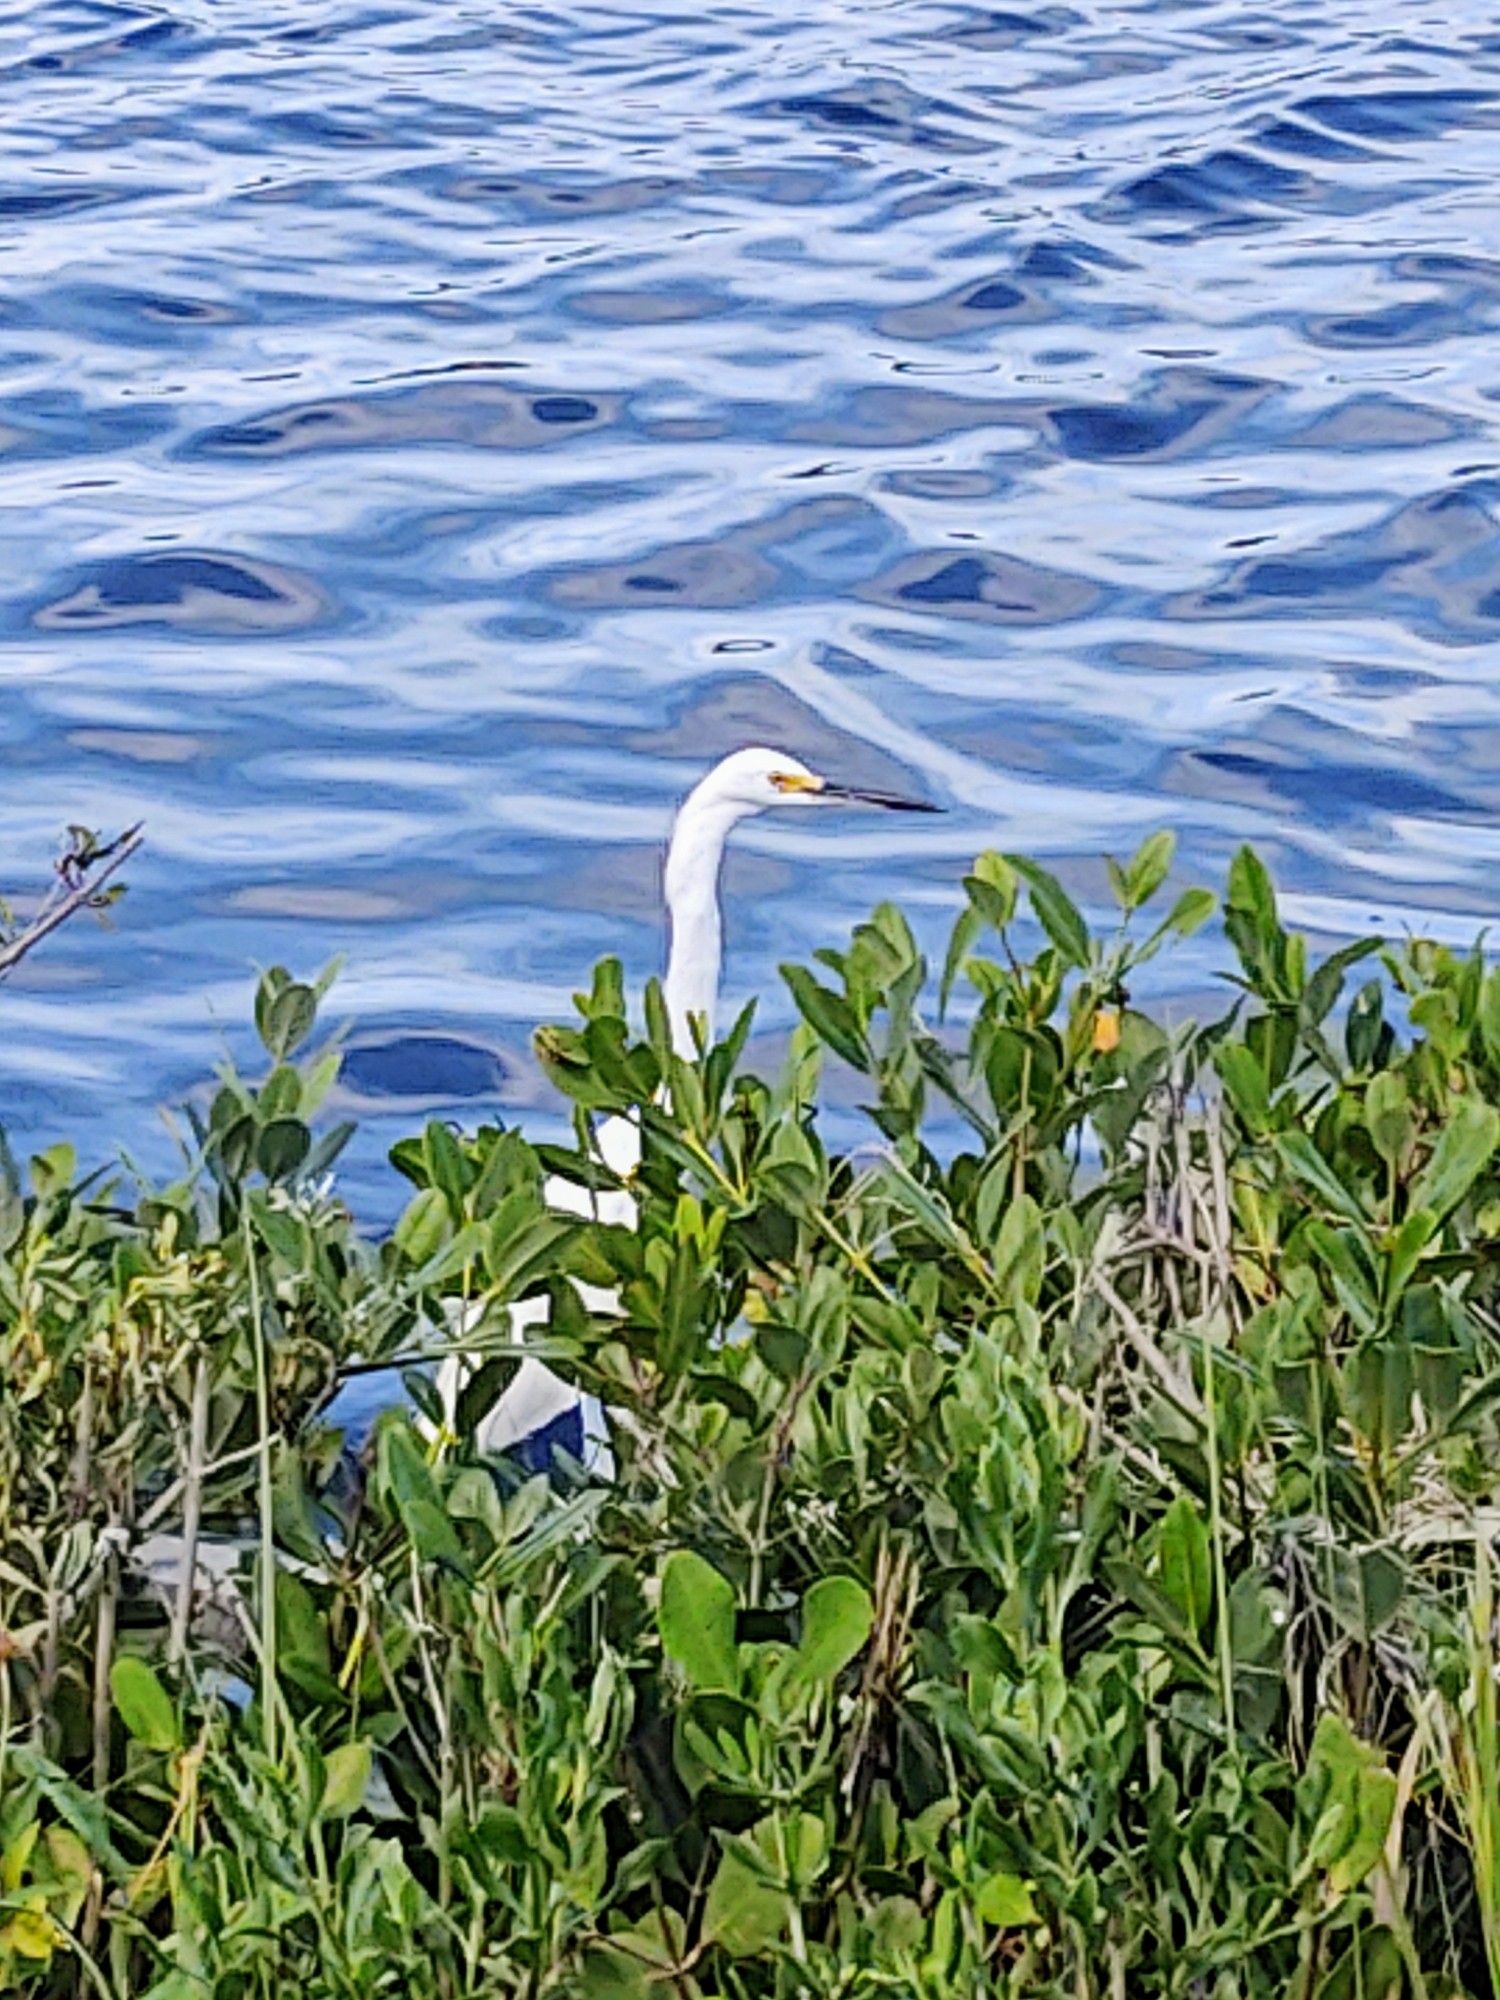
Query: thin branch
(81, 875)
(192, 1514)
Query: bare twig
(1178, 1388)
(81, 875)
(103, 1709)
(192, 1514)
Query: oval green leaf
(346, 1773)
(1183, 1559)
(695, 1616)
(837, 1618)
(144, 1706)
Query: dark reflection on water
(433, 433)
(195, 593)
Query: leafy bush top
(1050, 1561)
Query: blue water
(431, 432)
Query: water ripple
(432, 434)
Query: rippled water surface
(430, 432)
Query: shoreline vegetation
(1058, 1567)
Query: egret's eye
(797, 781)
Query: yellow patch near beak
(794, 781)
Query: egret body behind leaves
(539, 1411)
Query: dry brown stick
(79, 896)
(103, 1708)
(104, 1652)
(1179, 1388)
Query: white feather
(746, 783)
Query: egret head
(756, 780)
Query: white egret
(537, 1411)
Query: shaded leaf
(1465, 1147)
(830, 1015)
(1310, 1167)
(1183, 1562)
(745, 1911)
(1056, 911)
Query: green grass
(1058, 1567)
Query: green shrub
(1047, 1561)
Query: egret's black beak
(888, 801)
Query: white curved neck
(692, 890)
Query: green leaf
(1150, 867)
(53, 1170)
(837, 1618)
(745, 1910)
(965, 931)
(317, 1080)
(638, 1963)
(445, 1164)
(1309, 1167)
(1353, 1797)
(327, 1147)
(997, 875)
(830, 1016)
(1326, 984)
(282, 1147)
(1005, 1900)
(144, 1706)
(482, 1390)
(1055, 910)
(695, 1616)
(1489, 1015)
(432, 1534)
(1189, 913)
(1245, 1081)
(1182, 1556)
(284, 1233)
(1365, 1032)
(805, 1842)
(289, 1019)
(1342, 1255)
(280, 1094)
(272, 981)
(1148, 1598)
(1251, 892)
(81, 1810)
(1412, 1238)
(1373, 1968)
(1272, 962)
(402, 1465)
(1388, 1116)
(989, 905)
(782, 1348)
(1378, 1380)
(302, 1651)
(1464, 1148)
(424, 1227)
(524, 1246)
(346, 1775)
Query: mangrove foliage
(1045, 1548)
